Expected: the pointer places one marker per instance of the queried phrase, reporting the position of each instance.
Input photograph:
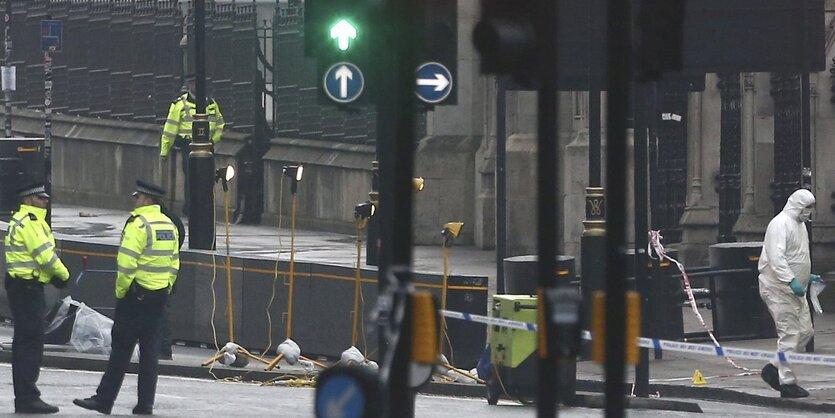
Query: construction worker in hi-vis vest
(177, 131)
(31, 262)
(147, 266)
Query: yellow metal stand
(230, 312)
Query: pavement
(670, 376)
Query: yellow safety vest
(148, 253)
(30, 247)
(180, 118)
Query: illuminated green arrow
(343, 31)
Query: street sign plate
(51, 35)
(340, 396)
(433, 82)
(343, 82)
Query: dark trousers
(182, 146)
(27, 304)
(165, 331)
(137, 318)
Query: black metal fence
(123, 59)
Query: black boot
(143, 410)
(35, 407)
(94, 404)
(771, 376)
(793, 391)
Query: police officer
(177, 129)
(147, 265)
(30, 263)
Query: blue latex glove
(797, 288)
(815, 278)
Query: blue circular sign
(343, 82)
(340, 396)
(434, 82)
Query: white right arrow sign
(440, 82)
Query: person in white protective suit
(785, 272)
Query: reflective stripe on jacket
(30, 247)
(148, 253)
(180, 118)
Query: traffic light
(337, 27)
(438, 43)
(340, 35)
(506, 38)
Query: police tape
(665, 345)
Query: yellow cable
(292, 262)
(275, 270)
(214, 296)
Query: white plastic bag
(817, 288)
(90, 329)
(91, 333)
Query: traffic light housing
(660, 37)
(337, 27)
(506, 38)
(342, 31)
(439, 40)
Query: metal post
(501, 182)
(619, 25)
(547, 384)
(201, 225)
(47, 129)
(7, 85)
(396, 139)
(593, 240)
(641, 196)
(806, 137)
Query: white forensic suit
(785, 256)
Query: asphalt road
(185, 397)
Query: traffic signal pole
(546, 396)
(619, 71)
(396, 141)
(200, 195)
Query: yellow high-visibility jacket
(149, 251)
(30, 247)
(180, 117)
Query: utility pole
(201, 226)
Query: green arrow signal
(343, 31)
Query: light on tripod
(295, 172)
(417, 184)
(224, 175)
(450, 232)
(364, 210)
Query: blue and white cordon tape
(683, 347)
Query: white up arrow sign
(343, 74)
(440, 82)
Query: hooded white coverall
(785, 256)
